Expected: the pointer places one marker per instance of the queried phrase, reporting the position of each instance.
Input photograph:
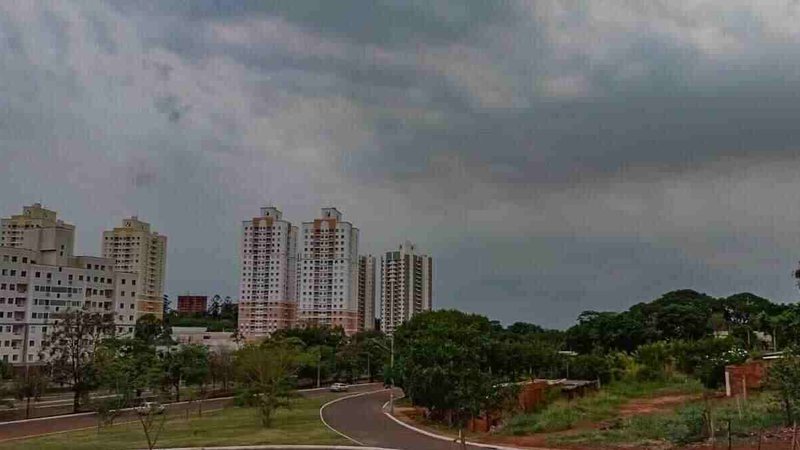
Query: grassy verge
(563, 415)
(232, 426)
(684, 425)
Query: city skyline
(552, 157)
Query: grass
(563, 415)
(684, 425)
(231, 426)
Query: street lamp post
(391, 368)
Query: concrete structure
(192, 304)
(136, 249)
(327, 268)
(267, 300)
(213, 340)
(40, 277)
(39, 229)
(406, 285)
(366, 292)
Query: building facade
(136, 249)
(214, 341)
(366, 292)
(39, 229)
(327, 273)
(192, 304)
(40, 277)
(267, 299)
(406, 285)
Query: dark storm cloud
(383, 22)
(553, 156)
(588, 140)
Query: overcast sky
(552, 156)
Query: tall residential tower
(406, 285)
(267, 300)
(136, 249)
(366, 292)
(327, 284)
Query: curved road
(36, 427)
(361, 419)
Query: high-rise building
(39, 229)
(327, 267)
(40, 277)
(366, 292)
(136, 249)
(267, 300)
(192, 304)
(406, 285)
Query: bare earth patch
(655, 404)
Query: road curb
(322, 408)
(282, 447)
(449, 438)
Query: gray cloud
(553, 156)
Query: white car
(150, 408)
(339, 387)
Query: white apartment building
(136, 249)
(267, 301)
(39, 277)
(366, 292)
(327, 268)
(406, 285)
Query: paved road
(34, 427)
(361, 419)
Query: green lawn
(563, 415)
(232, 426)
(686, 424)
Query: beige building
(406, 285)
(366, 292)
(267, 285)
(327, 273)
(39, 229)
(136, 249)
(40, 277)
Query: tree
(72, 349)
(30, 386)
(266, 372)
(127, 367)
(229, 310)
(784, 377)
(444, 364)
(188, 364)
(152, 422)
(6, 370)
(151, 330)
(221, 368)
(215, 307)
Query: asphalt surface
(362, 420)
(46, 425)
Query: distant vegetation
(459, 365)
(222, 315)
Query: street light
(391, 366)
